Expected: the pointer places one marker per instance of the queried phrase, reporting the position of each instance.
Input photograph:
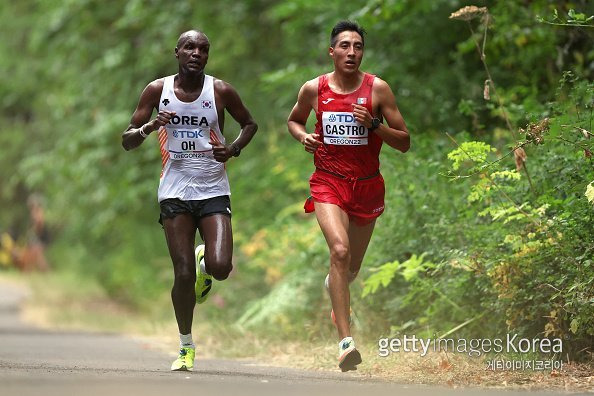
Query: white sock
(203, 266)
(185, 341)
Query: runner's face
(193, 53)
(347, 53)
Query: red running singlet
(348, 148)
(347, 163)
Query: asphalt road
(41, 362)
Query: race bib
(341, 128)
(183, 144)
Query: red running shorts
(362, 200)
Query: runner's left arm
(241, 114)
(394, 132)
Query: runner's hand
(362, 115)
(220, 152)
(311, 142)
(162, 119)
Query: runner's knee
(340, 255)
(220, 269)
(219, 265)
(184, 269)
(185, 278)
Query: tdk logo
(188, 134)
(189, 120)
(343, 118)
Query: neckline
(184, 102)
(345, 94)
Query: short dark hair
(346, 26)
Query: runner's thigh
(180, 233)
(218, 238)
(334, 223)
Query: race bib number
(341, 128)
(188, 144)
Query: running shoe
(203, 280)
(348, 356)
(185, 360)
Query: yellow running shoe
(203, 281)
(185, 360)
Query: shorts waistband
(349, 178)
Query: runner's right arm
(149, 100)
(308, 95)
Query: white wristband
(141, 131)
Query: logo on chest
(189, 121)
(341, 128)
(187, 134)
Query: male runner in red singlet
(193, 190)
(347, 189)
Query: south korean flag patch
(207, 104)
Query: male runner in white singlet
(193, 190)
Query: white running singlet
(190, 171)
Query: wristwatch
(235, 150)
(375, 123)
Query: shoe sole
(183, 368)
(350, 361)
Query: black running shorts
(171, 207)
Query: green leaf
(384, 275)
(476, 152)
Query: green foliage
(485, 242)
(475, 152)
(484, 187)
(573, 19)
(527, 255)
(383, 275)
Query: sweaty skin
(192, 53)
(347, 241)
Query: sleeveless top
(190, 171)
(348, 148)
